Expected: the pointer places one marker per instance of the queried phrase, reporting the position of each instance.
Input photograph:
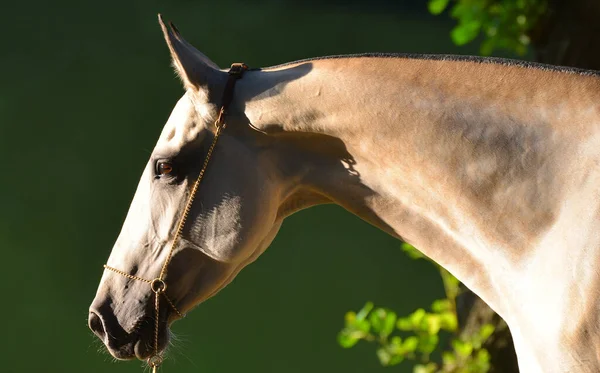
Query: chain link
(126, 274)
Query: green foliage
(505, 24)
(437, 6)
(416, 337)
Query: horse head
(234, 217)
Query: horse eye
(164, 168)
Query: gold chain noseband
(158, 286)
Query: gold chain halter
(158, 285)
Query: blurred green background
(86, 89)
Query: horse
(489, 166)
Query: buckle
(237, 69)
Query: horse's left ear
(196, 70)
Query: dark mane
(457, 58)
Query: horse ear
(195, 69)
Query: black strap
(236, 71)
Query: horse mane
(450, 57)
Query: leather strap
(236, 71)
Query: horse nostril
(95, 323)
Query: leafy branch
(417, 336)
(505, 24)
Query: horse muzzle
(123, 345)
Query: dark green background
(86, 89)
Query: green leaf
(432, 323)
(448, 321)
(417, 317)
(395, 346)
(462, 348)
(441, 305)
(362, 314)
(486, 331)
(404, 324)
(419, 368)
(461, 10)
(428, 343)
(350, 318)
(437, 6)
(376, 319)
(481, 362)
(483, 357)
(410, 344)
(363, 326)
(429, 368)
(382, 321)
(451, 284)
(465, 32)
(384, 356)
(449, 360)
(396, 341)
(348, 339)
(396, 359)
(388, 323)
(411, 251)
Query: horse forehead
(183, 124)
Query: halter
(158, 286)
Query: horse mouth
(143, 349)
(141, 343)
(147, 345)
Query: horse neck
(473, 163)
